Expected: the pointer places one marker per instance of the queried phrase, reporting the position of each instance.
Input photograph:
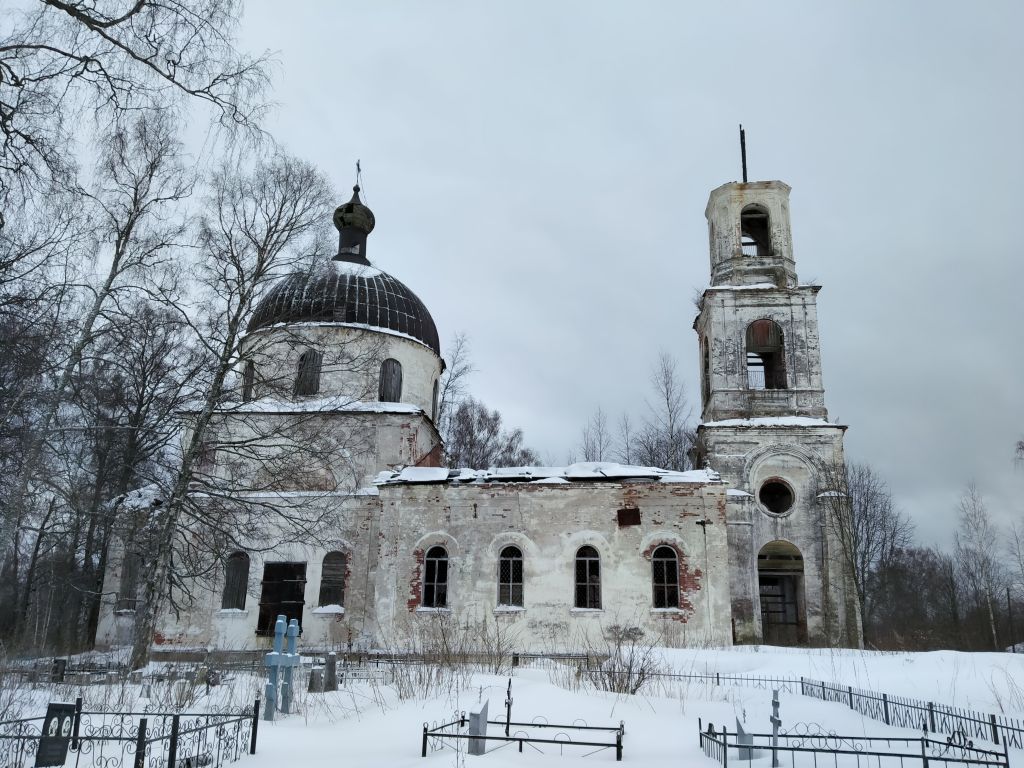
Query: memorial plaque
(56, 736)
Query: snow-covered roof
(772, 421)
(757, 287)
(334, 404)
(737, 492)
(588, 471)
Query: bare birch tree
(665, 440)
(977, 548)
(596, 440)
(869, 528)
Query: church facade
(546, 557)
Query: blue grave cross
(285, 661)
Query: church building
(738, 551)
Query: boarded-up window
(332, 579)
(588, 578)
(665, 574)
(307, 377)
(510, 577)
(283, 593)
(248, 379)
(391, 381)
(236, 581)
(435, 578)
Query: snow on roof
(830, 494)
(737, 492)
(330, 324)
(352, 268)
(423, 475)
(142, 498)
(325, 404)
(771, 421)
(757, 287)
(582, 472)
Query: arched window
(433, 409)
(391, 381)
(588, 578)
(248, 379)
(510, 577)
(705, 379)
(766, 356)
(435, 578)
(307, 379)
(665, 575)
(755, 231)
(236, 580)
(332, 579)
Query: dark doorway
(284, 587)
(780, 579)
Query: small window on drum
(391, 381)
(776, 496)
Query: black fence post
(885, 707)
(423, 752)
(618, 746)
(931, 717)
(718, 680)
(172, 749)
(995, 729)
(924, 754)
(77, 723)
(140, 745)
(849, 690)
(255, 726)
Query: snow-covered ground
(368, 724)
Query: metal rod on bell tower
(743, 151)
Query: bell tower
(764, 425)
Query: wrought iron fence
(139, 739)
(807, 744)
(437, 736)
(924, 715)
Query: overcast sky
(539, 172)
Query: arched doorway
(780, 581)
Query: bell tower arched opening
(755, 231)
(780, 582)
(766, 356)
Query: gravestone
(316, 680)
(331, 673)
(56, 735)
(743, 738)
(478, 727)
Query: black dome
(349, 293)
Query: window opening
(705, 381)
(283, 592)
(332, 579)
(776, 496)
(128, 589)
(391, 381)
(755, 231)
(248, 379)
(665, 574)
(766, 356)
(588, 578)
(236, 581)
(307, 380)
(435, 581)
(434, 401)
(510, 577)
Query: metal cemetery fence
(924, 715)
(138, 739)
(808, 746)
(438, 735)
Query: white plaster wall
(352, 359)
